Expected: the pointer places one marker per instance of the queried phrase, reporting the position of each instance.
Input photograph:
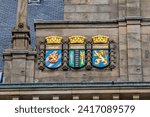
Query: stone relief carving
(77, 53)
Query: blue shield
(100, 58)
(53, 58)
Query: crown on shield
(77, 39)
(53, 39)
(100, 39)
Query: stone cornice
(75, 85)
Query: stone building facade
(46, 10)
(124, 22)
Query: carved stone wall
(86, 29)
(128, 28)
(132, 49)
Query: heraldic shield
(77, 52)
(100, 51)
(53, 53)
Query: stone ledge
(73, 22)
(13, 51)
(75, 85)
(40, 21)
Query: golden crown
(77, 39)
(53, 39)
(100, 39)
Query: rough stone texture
(145, 9)
(22, 14)
(68, 29)
(146, 52)
(7, 69)
(18, 73)
(90, 10)
(92, 17)
(123, 52)
(134, 50)
(20, 53)
(133, 8)
(19, 66)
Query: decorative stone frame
(65, 49)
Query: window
(34, 1)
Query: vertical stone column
(19, 61)
(134, 40)
(123, 61)
(20, 33)
(122, 8)
(22, 14)
(35, 98)
(18, 72)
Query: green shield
(76, 58)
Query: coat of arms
(100, 51)
(76, 52)
(53, 52)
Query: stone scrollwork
(112, 54)
(77, 53)
(65, 56)
(88, 55)
(41, 56)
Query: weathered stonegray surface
(134, 49)
(67, 29)
(133, 7)
(146, 52)
(131, 36)
(22, 13)
(145, 9)
(90, 10)
(104, 9)
(123, 67)
(88, 18)
(19, 60)
(19, 66)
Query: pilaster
(133, 20)
(134, 49)
(19, 61)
